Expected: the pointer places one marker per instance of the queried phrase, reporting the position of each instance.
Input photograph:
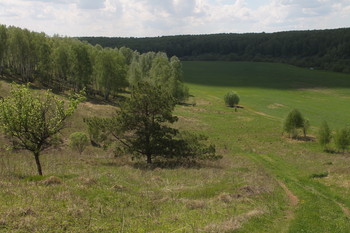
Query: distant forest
(319, 49)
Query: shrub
(324, 135)
(295, 121)
(232, 99)
(78, 141)
(342, 139)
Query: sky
(146, 18)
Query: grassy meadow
(266, 182)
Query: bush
(232, 99)
(98, 137)
(78, 141)
(324, 135)
(342, 139)
(295, 121)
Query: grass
(264, 183)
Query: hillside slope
(264, 183)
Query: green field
(263, 184)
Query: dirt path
(317, 197)
(293, 200)
(262, 114)
(344, 209)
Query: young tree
(306, 126)
(324, 135)
(141, 121)
(293, 122)
(78, 141)
(232, 99)
(31, 122)
(142, 126)
(342, 139)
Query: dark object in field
(319, 175)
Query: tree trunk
(37, 161)
(149, 159)
(106, 95)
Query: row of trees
(142, 125)
(296, 123)
(66, 63)
(324, 49)
(341, 138)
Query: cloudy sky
(140, 18)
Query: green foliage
(195, 146)
(232, 99)
(3, 45)
(319, 175)
(306, 126)
(81, 66)
(342, 139)
(160, 70)
(67, 63)
(324, 135)
(31, 121)
(97, 131)
(324, 49)
(142, 126)
(110, 71)
(78, 141)
(295, 121)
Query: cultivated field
(265, 182)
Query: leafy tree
(232, 99)
(78, 141)
(127, 53)
(134, 72)
(61, 63)
(81, 67)
(31, 122)
(306, 126)
(293, 122)
(3, 45)
(179, 90)
(110, 70)
(324, 135)
(342, 139)
(44, 62)
(142, 126)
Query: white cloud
(169, 17)
(91, 4)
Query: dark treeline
(68, 64)
(322, 49)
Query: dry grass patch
(232, 224)
(27, 212)
(275, 106)
(87, 181)
(52, 180)
(195, 204)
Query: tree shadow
(176, 164)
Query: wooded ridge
(321, 49)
